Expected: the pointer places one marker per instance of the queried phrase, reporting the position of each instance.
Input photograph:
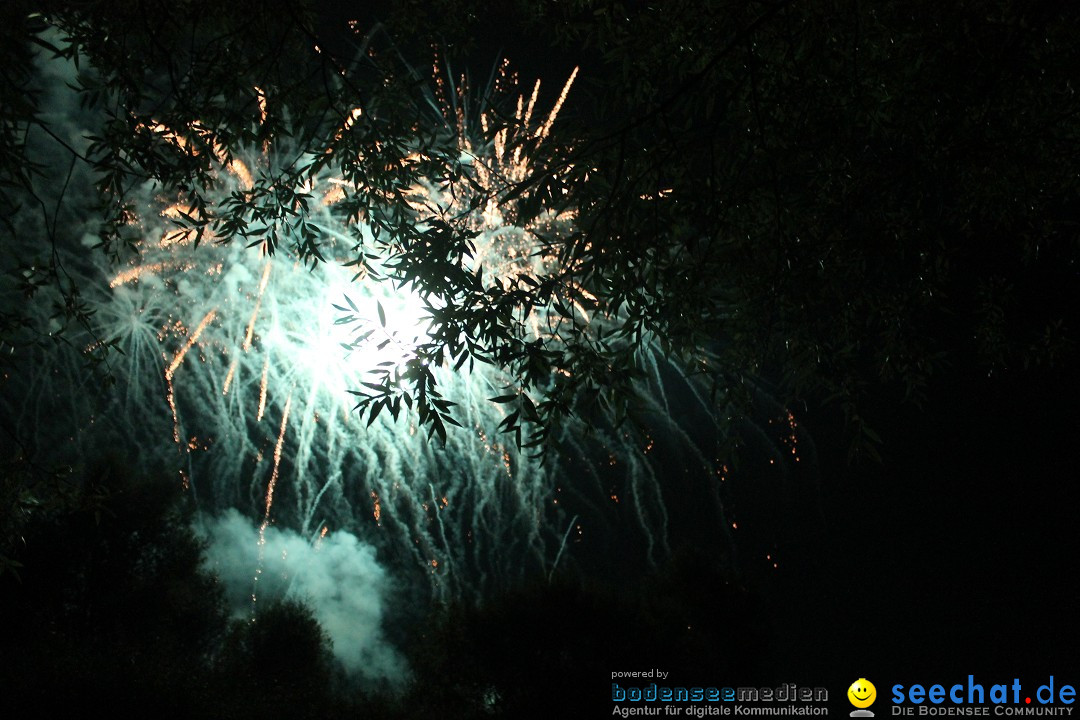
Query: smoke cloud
(337, 576)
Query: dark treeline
(111, 609)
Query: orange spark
(262, 389)
(258, 302)
(177, 359)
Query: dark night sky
(956, 555)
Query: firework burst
(248, 354)
(246, 346)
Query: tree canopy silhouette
(827, 196)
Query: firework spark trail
(262, 389)
(132, 274)
(270, 487)
(177, 360)
(277, 464)
(255, 311)
(544, 129)
(562, 546)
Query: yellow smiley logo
(862, 693)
